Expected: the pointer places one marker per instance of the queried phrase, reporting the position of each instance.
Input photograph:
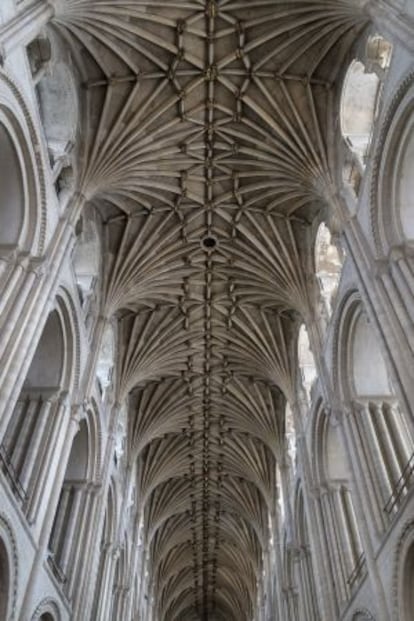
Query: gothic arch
(27, 184)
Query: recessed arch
(391, 204)
(359, 365)
(12, 191)
(365, 385)
(47, 610)
(5, 581)
(8, 570)
(23, 171)
(403, 575)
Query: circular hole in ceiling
(209, 242)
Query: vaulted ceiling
(205, 143)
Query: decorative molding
(39, 179)
(405, 539)
(10, 542)
(378, 158)
(49, 605)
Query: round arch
(25, 185)
(358, 364)
(66, 309)
(8, 570)
(47, 610)
(403, 593)
(392, 222)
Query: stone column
(84, 546)
(62, 450)
(317, 528)
(85, 600)
(371, 436)
(29, 316)
(366, 474)
(381, 309)
(361, 520)
(29, 472)
(43, 485)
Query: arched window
(85, 260)
(12, 195)
(46, 617)
(57, 98)
(306, 362)
(106, 359)
(66, 527)
(328, 265)
(358, 108)
(385, 435)
(26, 447)
(4, 581)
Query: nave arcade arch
(379, 421)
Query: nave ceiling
(206, 146)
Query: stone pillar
(85, 600)
(317, 528)
(68, 430)
(84, 545)
(43, 486)
(367, 479)
(361, 520)
(43, 420)
(381, 309)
